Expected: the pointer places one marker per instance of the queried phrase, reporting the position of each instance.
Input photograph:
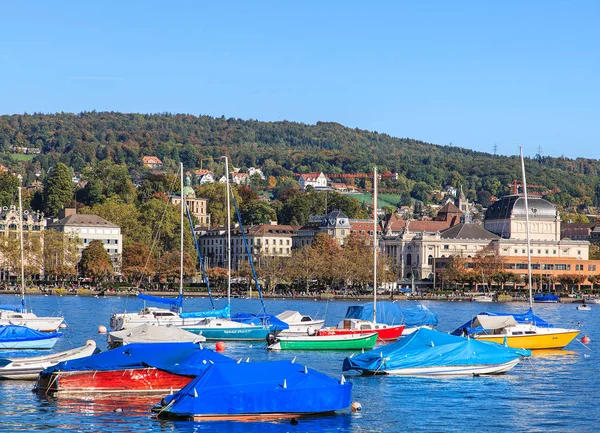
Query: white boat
(148, 316)
(592, 301)
(151, 334)
(584, 307)
(482, 298)
(24, 317)
(29, 368)
(299, 324)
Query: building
(240, 178)
(204, 176)
(317, 180)
(198, 206)
(253, 171)
(576, 231)
(33, 223)
(152, 162)
(90, 228)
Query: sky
(478, 74)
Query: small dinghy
(322, 342)
(584, 307)
(431, 353)
(151, 334)
(29, 368)
(257, 391)
(13, 337)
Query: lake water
(559, 392)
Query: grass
(22, 156)
(383, 200)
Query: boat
(534, 334)
(15, 337)
(385, 333)
(322, 342)
(390, 313)
(20, 316)
(547, 298)
(215, 329)
(592, 301)
(431, 353)
(151, 334)
(299, 324)
(29, 368)
(584, 307)
(482, 298)
(138, 368)
(261, 391)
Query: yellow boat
(522, 335)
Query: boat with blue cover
(390, 313)
(431, 353)
(14, 337)
(257, 391)
(546, 298)
(150, 368)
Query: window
(547, 267)
(535, 266)
(516, 251)
(591, 267)
(579, 267)
(287, 241)
(523, 251)
(446, 247)
(430, 260)
(280, 241)
(267, 243)
(408, 260)
(521, 265)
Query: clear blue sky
(473, 73)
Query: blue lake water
(558, 393)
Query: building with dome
(197, 206)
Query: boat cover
(289, 316)
(548, 297)
(494, 322)
(152, 334)
(392, 314)
(428, 348)
(527, 317)
(175, 303)
(15, 333)
(273, 322)
(186, 359)
(223, 313)
(259, 388)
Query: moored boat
(357, 327)
(257, 391)
(322, 342)
(547, 298)
(214, 329)
(13, 337)
(299, 324)
(152, 334)
(132, 369)
(430, 353)
(584, 307)
(30, 367)
(482, 298)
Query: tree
(60, 254)
(257, 212)
(58, 190)
(594, 252)
(138, 262)
(8, 189)
(216, 193)
(454, 272)
(169, 264)
(95, 262)
(488, 262)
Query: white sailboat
(22, 317)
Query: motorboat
(385, 333)
(217, 329)
(151, 334)
(262, 391)
(299, 324)
(584, 307)
(592, 301)
(482, 298)
(139, 368)
(30, 367)
(547, 298)
(14, 337)
(431, 353)
(322, 342)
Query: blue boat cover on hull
(173, 302)
(548, 297)
(527, 317)
(223, 313)
(391, 314)
(187, 359)
(269, 320)
(428, 348)
(259, 388)
(14, 333)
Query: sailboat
(20, 316)
(349, 326)
(525, 333)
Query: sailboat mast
(181, 234)
(527, 228)
(228, 232)
(375, 245)
(22, 253)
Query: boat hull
(547, 340)
(247, 333)
(385, 335)
(366, 342)
(131, 381)
(41, 344)
(455, 370)
(37, 324)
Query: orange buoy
(220, 346)
(101, 329)
(356, 406)
(585, 339)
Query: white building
(90, 228)
(317, 180)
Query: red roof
(151, 160)
(311, 176)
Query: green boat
(323, 342)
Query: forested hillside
(281, 149)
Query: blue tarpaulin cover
(259, 388)
(392, 314)
(187, 359)
(429, 348)
(548, 297)
(174, 302)
(527, 317)
(274, 323)
(223, 313)
(14, 333)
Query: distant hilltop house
(240, 178)
(204, 176)
(253, 170)
(152, 162)
(25, 150)
(317, 180)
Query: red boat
(150, 368)
(385, 333)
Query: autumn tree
(95, 262)
(487, 263)
(169, 265)
(138, 262)
(60, 256)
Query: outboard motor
(271, 339)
